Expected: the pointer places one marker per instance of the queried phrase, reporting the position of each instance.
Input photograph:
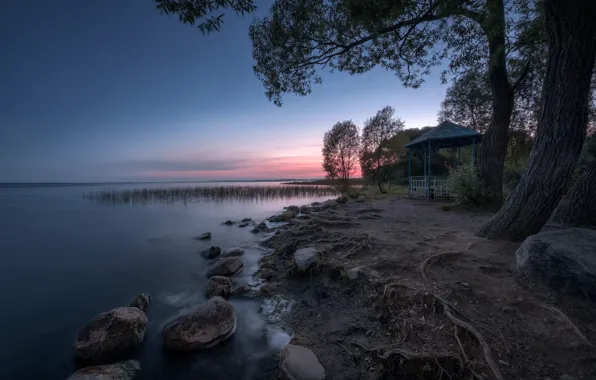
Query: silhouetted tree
(340, 150)
(376, 154)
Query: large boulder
(141, 301)
(331, 203)
(564, 260)
(305, 258)
(283, 217)
(204, 236)
(125, 370)
(305, 210)
(294, 209)
(300, 363)
(261, 227)
(211, 252)
(228, 266)
(218, 286)
(111, 334)
(203, 326)
(233, 252)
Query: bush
(466, 188)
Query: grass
(208, 193)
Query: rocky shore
(381, 289)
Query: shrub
(466, 188)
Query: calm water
(65, 259)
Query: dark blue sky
(112, 90)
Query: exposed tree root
(568, 320)
(406, 354)
(428, 260)
(488, 356)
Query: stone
(228, 266)
(300, 363)
(111, 334)
(141, 301)
(125, 370)
(362, 198)
(205, 236)
(246, 220)
(305, 210)
(211, 252)
(283, 217)
(261, 227)
(331, 203)
(294, 209)
(218, 286)
(354, 273)
(564, 260)
(242, 225)
(228, 222)
(315, 204)
(201, 327)
(233, 252)
(305, 258)
(244, 291)
(304, 217)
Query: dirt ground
(428, 300)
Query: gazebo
(444, 135)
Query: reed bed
(208, 193)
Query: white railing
(419, 187)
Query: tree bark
(494, 145)
(579, 209)
(561, 129)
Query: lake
(65, 259)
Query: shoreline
(374, 303)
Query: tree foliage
(207, 15)
(378, 154)
(341, 145)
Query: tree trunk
(494, 144)
(561, 129)
(579, 209)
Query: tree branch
(522, 76)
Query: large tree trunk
(494, 146)
(561, 129)
(579, 209)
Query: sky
(113, 90)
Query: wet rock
(305, 258)
(362, 198)
(315, 204)
(354, 273)
(331, 203)
(141, 301)
(303, 217)
(283, 217)
(294, 209)
(300, 363)
(246, 220)
(211, 252)
(228, 222)
(218, 286)
(245, 291)
(242, 225)
(225, 267)
(261, 227)
(204, 236)
(201, 327)
(563, 260)
(305, 210)
(233, 252)
(125, 370)
(111, 334)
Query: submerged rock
(228, 222)
(111, 334)
(204, 236)
(233, 252)
(228, 266)
(246, 220)
(203, 326)
(141, 301)
(261, 227)
(211, 252)
(283, 217)
(564, 260)
(242, 225)
(305, 258)
(125, 370)
(218, 286)
(300, 363)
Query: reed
(208, 193)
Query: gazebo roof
(446, 135)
